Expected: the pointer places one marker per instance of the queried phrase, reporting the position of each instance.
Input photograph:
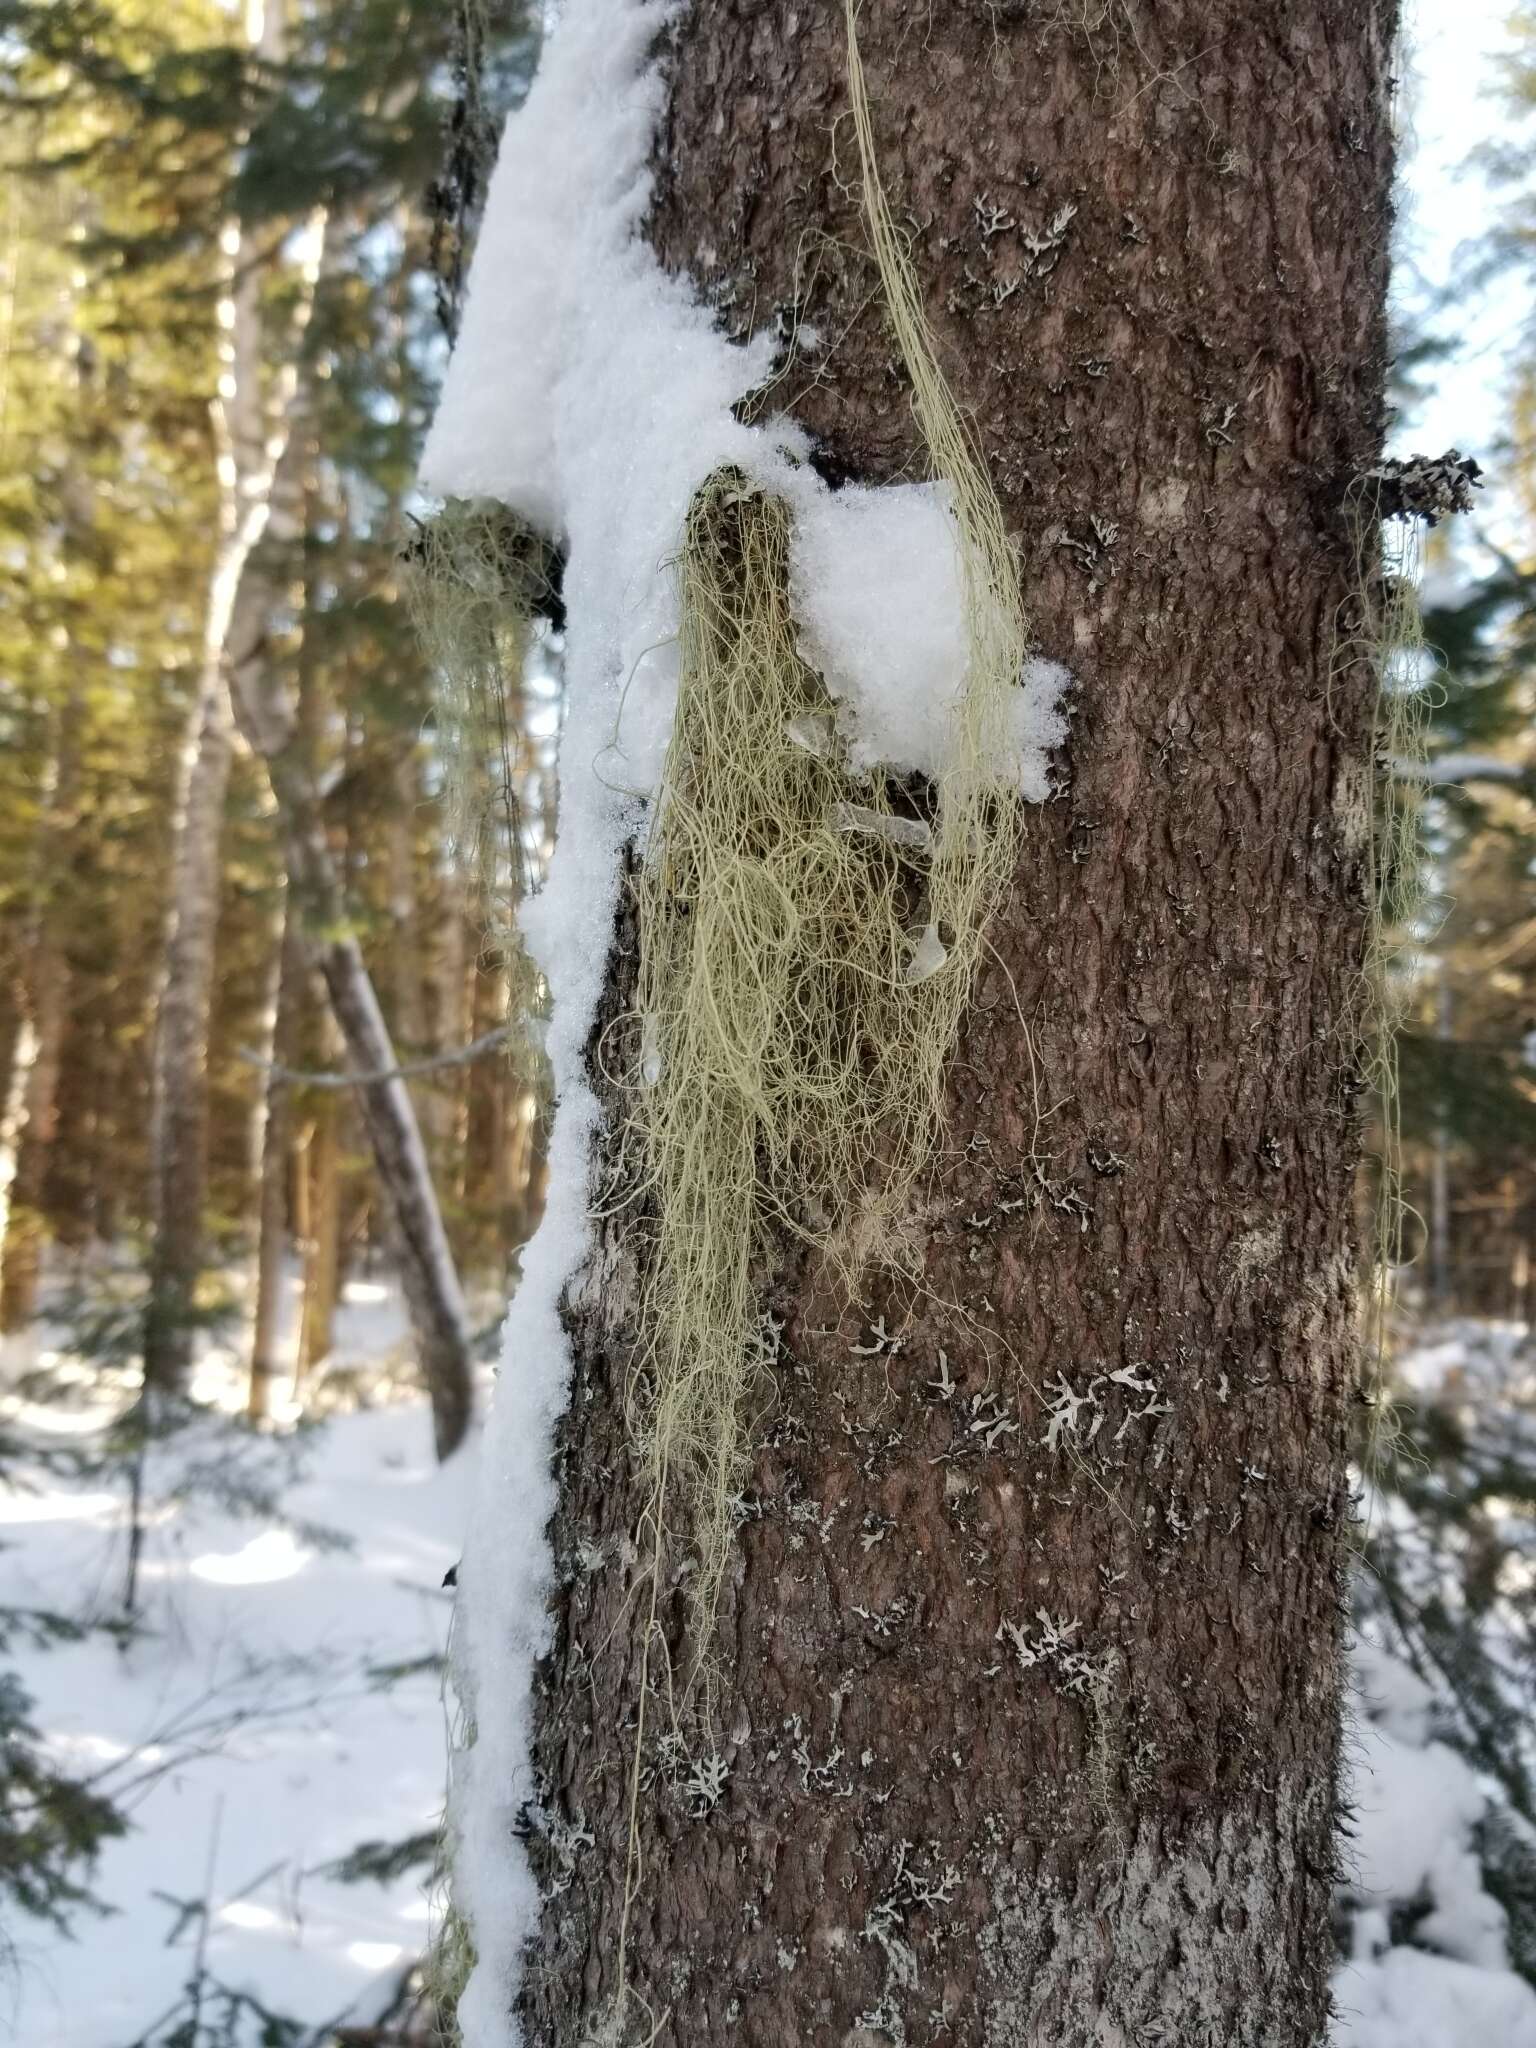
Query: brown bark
(520, 1163)
(322, 1244)
(276, 1155)
(406, 972)
(28, 1137)
(39, 1050)
(1031, 1739)
(485, 1123)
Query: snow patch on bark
(878, 585)
(590, 394)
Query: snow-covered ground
(258, 1726)
(1429, 1947)
(1416, 1804)
(281, 1705)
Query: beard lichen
(475, 581)
(809, 941)
(1381, 627)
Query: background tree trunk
(406, 945)
(33, 1090)
(16, 1053)
(37, 1056)
(179, 1133)
(276, 1158)
(282, 729)
(428, 1278)
(322, 1245)
(1029, 1735)
(252, 420)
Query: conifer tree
(1006, 1706)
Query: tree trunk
(179, 1118)
(279, 727)
(31, 1113)
(276, 1159)
(1028, 1735)
(520, 1163)
(434, 1301)
(322, 1244)
(39, 1052)
(319, 1175)
(444, 1108)
(408, 981)
(19, 1060)
(1440, 1172)
(251, 419)
(485, 1122)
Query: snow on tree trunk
(1028, 1662)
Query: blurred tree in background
(1449, 1525)
(232, 247)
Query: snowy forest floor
(278, 1704)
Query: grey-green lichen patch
(1106, 1959)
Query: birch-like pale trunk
(251, 414)
(21, 1056)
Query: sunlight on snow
(374, 1955)
(57, 1507)
(272, 1555)
(241, 1913)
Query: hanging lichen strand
(474, 578)
(1380, 813)
(808, 943)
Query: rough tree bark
(1028, 1741)
(320, 1173)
